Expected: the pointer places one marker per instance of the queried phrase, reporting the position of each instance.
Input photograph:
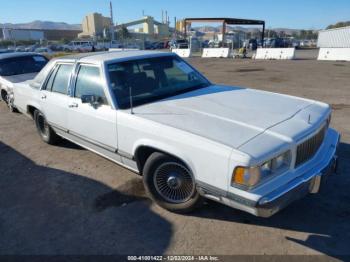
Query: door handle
(72, 105)
(43, 97)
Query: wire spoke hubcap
(174, 182)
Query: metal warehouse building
(19, 34)
(334, 38)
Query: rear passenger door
(95, 126)
(54, 98)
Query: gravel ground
(66, 200)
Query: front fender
(166, 148)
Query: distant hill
(43, 25)
(339, 24)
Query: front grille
(309, 148)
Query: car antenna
(131, 104)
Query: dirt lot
(66, 200)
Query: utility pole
(112, 21)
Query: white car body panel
(134, 131)
(99, 125)
(25, 96)
(228, 115)
(55, 108)
(212, 130)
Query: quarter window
(89, 83)
(48, 86)
(61, 81)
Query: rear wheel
(170, 183)
(46, 133)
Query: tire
(4, 96)
(170, 183)
(10, 104)
(45, 131)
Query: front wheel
(46, 133)
(170, 183)
(10, 104)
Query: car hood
(228, 115)
(10, 80)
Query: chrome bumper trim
(302, 179)
(277, 200)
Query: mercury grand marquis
(190, 139)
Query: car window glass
(89, 83)
(151, 79)
(22, 65)
(50, 81)
(61, 81)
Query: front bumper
(278, 199)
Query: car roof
(17, 54)
(110, 56)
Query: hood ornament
(309, 119)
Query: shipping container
(334, 38)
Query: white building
(22, 34)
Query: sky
(296, 14)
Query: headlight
(249, 177)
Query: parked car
(79, 46)
(157, 45)
(205, 44)
(179, 44)
(15, 68)
(31, 48)
(20, 49)
(44, 50)
(154, 114)
(5, 51)
(253, 44)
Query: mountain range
(42, 25)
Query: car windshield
(152, 79)
(22, 65)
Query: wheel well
(144, 152)
(3, 94)
(31, 110)
(141, 156)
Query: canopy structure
(227, 21)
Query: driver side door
(95, 126)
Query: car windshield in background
(152, 79)
(22, 65)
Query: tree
(123, 33)
(339, 24)
(271, 33)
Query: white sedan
(190, 139)
(15, 68)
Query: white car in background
(16, 68)
(154, 114)
(79, 46)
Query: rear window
(22, 65)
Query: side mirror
(91, 99)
